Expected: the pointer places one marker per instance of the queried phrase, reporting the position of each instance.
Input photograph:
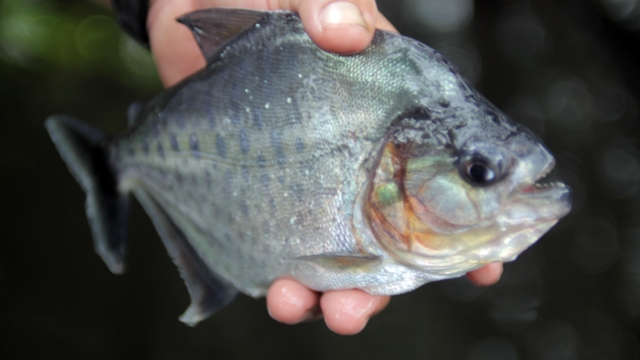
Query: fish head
(448, 198)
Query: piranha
(380, 171)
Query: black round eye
(479, 171)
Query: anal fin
(209, 292)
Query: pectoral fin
(209, 292)
(344, 262)
(134, 113)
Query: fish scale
(380, 171)
(273, 141)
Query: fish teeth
(548, 185)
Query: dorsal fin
(214, 28)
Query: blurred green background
(568, 69)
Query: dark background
(568, 69)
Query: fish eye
(479, 170)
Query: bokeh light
(568, 70)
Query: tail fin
(83, 149)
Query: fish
(381, 171)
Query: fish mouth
(555, 191)
(539, 201)
(551, 199)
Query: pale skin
(338, 26)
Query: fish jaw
(500, 246)
(523, 220)
(518, 226)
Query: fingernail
(341, 13)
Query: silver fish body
(380, 171)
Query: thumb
(343, 27)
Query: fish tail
(84, 150)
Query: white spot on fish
(285, 194)
(258, 25)
(235, 193)
(292, 220)
(300, 76)
(266, 106)
(246, 90)
(289, 100)
(247, 109)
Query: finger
(346, 312)
(343, 27)
(290, 302)
(174, 50)
(383, 24)
(486, 275)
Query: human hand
(346, 312)
(336, 26)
